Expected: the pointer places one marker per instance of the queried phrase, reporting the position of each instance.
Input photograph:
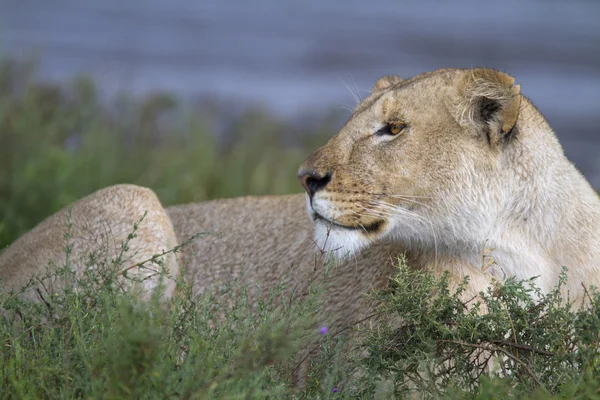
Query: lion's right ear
(491, 100)
(385, 83)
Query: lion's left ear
(386, 82)
(490, 99)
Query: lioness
(450, 164)
(454, 167)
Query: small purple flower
(323, 330)
(335, 390)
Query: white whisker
(400, 195)
(380, 213)
(357, 89)
(390, 208)
(354, 95)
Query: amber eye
(396, 128)
(392, 129)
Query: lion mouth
(369, 228)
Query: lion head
(423, 160)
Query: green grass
(95, 340)
(103, 343)
(61, 142)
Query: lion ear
(490, 99)
(385, 83)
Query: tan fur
(100, 224)
(265, 240)
(385, 82)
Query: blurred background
(204, 99)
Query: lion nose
(313, 181)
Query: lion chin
(335, 241)
(339, 243)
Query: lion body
(474, 182)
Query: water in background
(296, 55)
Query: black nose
(314, 182)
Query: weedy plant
(513, 339)
(94, 338)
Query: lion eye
(391, 129)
